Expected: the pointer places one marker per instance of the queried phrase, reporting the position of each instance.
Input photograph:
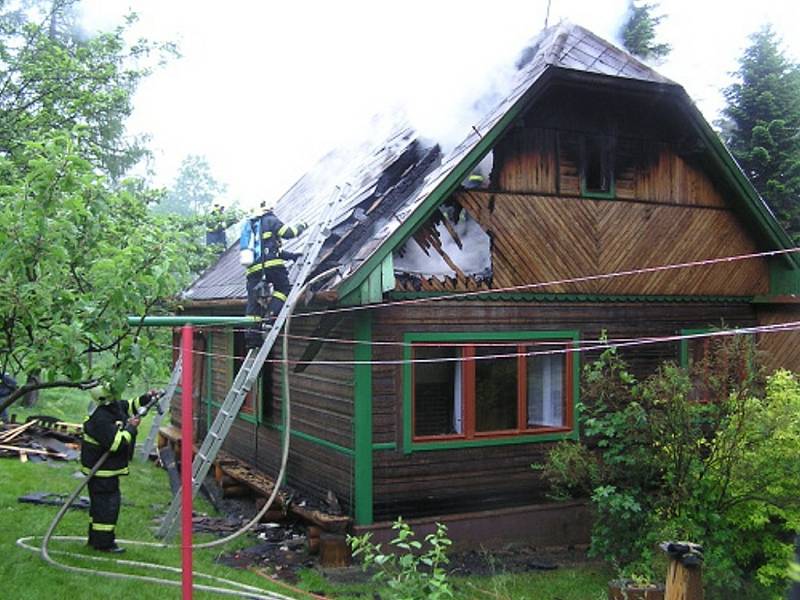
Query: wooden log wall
(438, 481)
(322, 407)
(539, 239)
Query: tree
(78, 257)
(762, 125)
(194, 190)
(80, 248)
(54, 78)
(639, 32)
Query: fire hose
(242, 589)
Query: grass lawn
(145, 496)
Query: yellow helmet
(102, 394)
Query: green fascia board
(541, 297)
(410, 446)
(753, 203)
(449, 184)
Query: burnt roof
(392, 174)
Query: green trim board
(362, 420)
(543, 297)
(300, 434)
(311, 438)
(684, 344)
(409, 338)
(379, 446)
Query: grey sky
(264, 89)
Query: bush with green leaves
(408, 570)
(709, 454)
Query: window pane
(496, 389)
(545, 389)
(437, 392)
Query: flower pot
(622, 589)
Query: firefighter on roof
(111, 427)
(260, 253)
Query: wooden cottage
(589, 163)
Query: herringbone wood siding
(539, 239)
(781, 350)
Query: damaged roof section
(392, 174)
(449, 251)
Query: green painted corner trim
(450, 182)
(362, 399)
(410, 337)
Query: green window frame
(471, 435)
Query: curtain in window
(545, 390)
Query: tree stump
(333, 550)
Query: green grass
(25, 575)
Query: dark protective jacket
(263, 234)
(107, 429)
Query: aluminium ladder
(163, 407)
(251, 367)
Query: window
(596, 166)
(464, 389)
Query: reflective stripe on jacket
(106, 429)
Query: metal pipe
(180, 320)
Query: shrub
(660, 464)
(408, 571)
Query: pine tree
(639, 32)
(762, 126)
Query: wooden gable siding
(546, 161)
(322, 409)
(781, 350)
(453, 480)
(544, 238)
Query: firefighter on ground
(260, 253)
(111, 427)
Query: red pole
(186, 462)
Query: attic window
(596, 166)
